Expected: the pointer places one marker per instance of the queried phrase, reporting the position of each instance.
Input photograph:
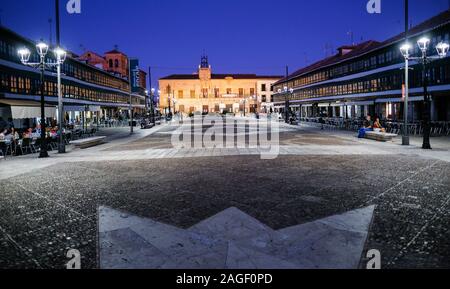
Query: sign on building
(135, 75)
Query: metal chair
(8, 148)
(25, 146)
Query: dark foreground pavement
(45, 213)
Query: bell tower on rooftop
(204, 70)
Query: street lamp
(442, 51)
(152, 113)
(150, 99)
(42, 50)
(245, 100)
(423, 44)
(168, 99)
(146, 101)
(60, 58)
(174, 105)
(244, 103)
(404, 49)
(287, 92)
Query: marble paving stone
(185, 249)
(247, 258)
(234, 240)
(355, 221)
(124, 248)
(231, 224)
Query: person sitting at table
(28, 133)
(8, 135)
(367, 126)
(3, 134)
(53, 131)
(14, 136)
(2, 142)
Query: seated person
(3, 134)
(2, 142)
(377, 125)
(9, 136)
(28, 133)
(15, 134)
(368, 123)
(367, 126)
(54, 132)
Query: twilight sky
(239, 36)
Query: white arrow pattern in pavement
(232, 240)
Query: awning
(80, 108)
(94, 108)
(28, 109)
(337, 104)
(371, 102)
(74, 108)
(411, 99)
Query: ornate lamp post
(405, 52)
(287, 92)
(174, 104)
(168, 99)
(60, 54)
(245, 100)
(152, 108)
(442, 51)
(60, 58)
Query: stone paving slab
(232, 240)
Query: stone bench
(147, 125)
(380, 136)
(88, 142)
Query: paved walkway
(48, 206)
(118, 139)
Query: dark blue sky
(240, 36)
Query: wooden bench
(380, 136)
(88, 142)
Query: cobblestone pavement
(48, 210)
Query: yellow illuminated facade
(206, 92)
